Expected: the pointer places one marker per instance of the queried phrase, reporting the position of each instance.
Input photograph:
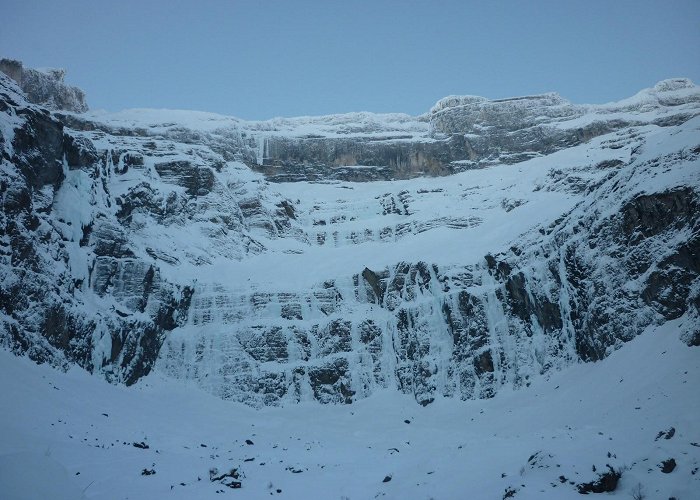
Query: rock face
(293, 159)
(459, 133)
(45, 87)
(527, 234)
(53, 261)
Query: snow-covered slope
(67, 434)
(155, 238)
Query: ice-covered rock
(147, 239)
(45, 87)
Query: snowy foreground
(68, 436)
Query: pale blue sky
(265, 58)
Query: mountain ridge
(459, 133)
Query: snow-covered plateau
(518, 279)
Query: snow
(474, 196)
(450, 220)
(399, 126)
(161, 119)
(158, 121)
(19, 481)
(67, 433)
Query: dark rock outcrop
(38, 148)
(605, 483)
(197, 180)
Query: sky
(266, 58)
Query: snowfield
(71, 435)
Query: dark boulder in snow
(605, 483)
(668, 466)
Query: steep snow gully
(480, 251)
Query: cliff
(517, 237)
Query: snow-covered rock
(152, 238)
(45, 86)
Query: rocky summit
(473, 248)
